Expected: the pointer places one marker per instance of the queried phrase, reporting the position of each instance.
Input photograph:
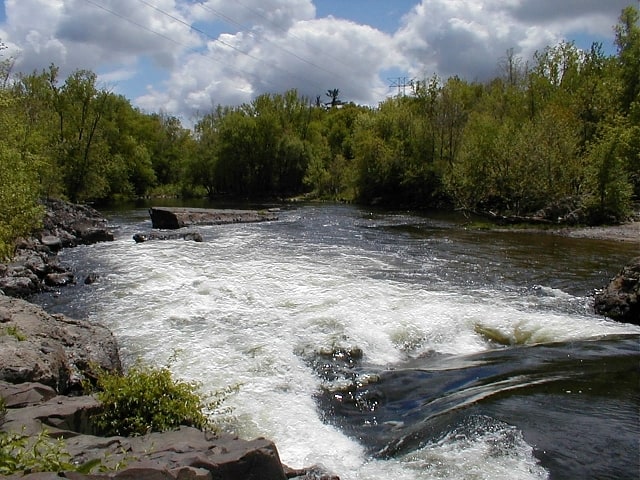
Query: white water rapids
(241, 307)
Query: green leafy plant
(20, 453)
(15, 332)
(150, 399)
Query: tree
(608, 184)
(333, 94)
(81, 151)
(20, 212)
(628, 42)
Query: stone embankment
(44, 359)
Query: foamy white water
(242, 307)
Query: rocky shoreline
(44, 358)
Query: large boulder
(175, 217)
(620, 300)
(51, 349)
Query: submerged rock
(620, 300)
(145, 237)
(174, 217)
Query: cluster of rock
(620, 300)
(35, 266)
(44, 359)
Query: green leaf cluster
(20, 453)
(149, 399)
(13, 331)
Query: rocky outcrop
(145, 237)
(620, 300)
(173, 217)
(52, 350)
(68, 225)
(35, 266)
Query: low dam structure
(172, 218)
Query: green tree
(628, 42)
(20, 212)
(81, 150)
(609, 187)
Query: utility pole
(401, 83)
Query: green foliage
(20, 213)
(13, 331)
(20, 453)
(150, 399)
(610, 190)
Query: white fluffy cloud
(185, 57)
(467, 37)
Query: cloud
(265, 14)
(312, 56)
(467, 37)
(86, 34)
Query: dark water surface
(385, 344)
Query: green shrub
(20, 453)
(150, 399)
(15, 332)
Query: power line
(256, 78)
(401, 83)
(217, 40)
(244, 28)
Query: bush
(20, 453)
(150, 399)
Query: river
(383, 344)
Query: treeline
(564, 126)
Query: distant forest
(563, 127)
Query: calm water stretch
(384, 345)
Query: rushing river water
(384, 345)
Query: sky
(185, 57)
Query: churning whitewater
(257, 306)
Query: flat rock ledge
(172, 218)
(620, 299)
(43, 360)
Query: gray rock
(620, 300)
(145, 237)
(25, 394)
(59, 279)
(52, 242)
(52, 349)
(61, 416)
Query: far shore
(626, 232)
